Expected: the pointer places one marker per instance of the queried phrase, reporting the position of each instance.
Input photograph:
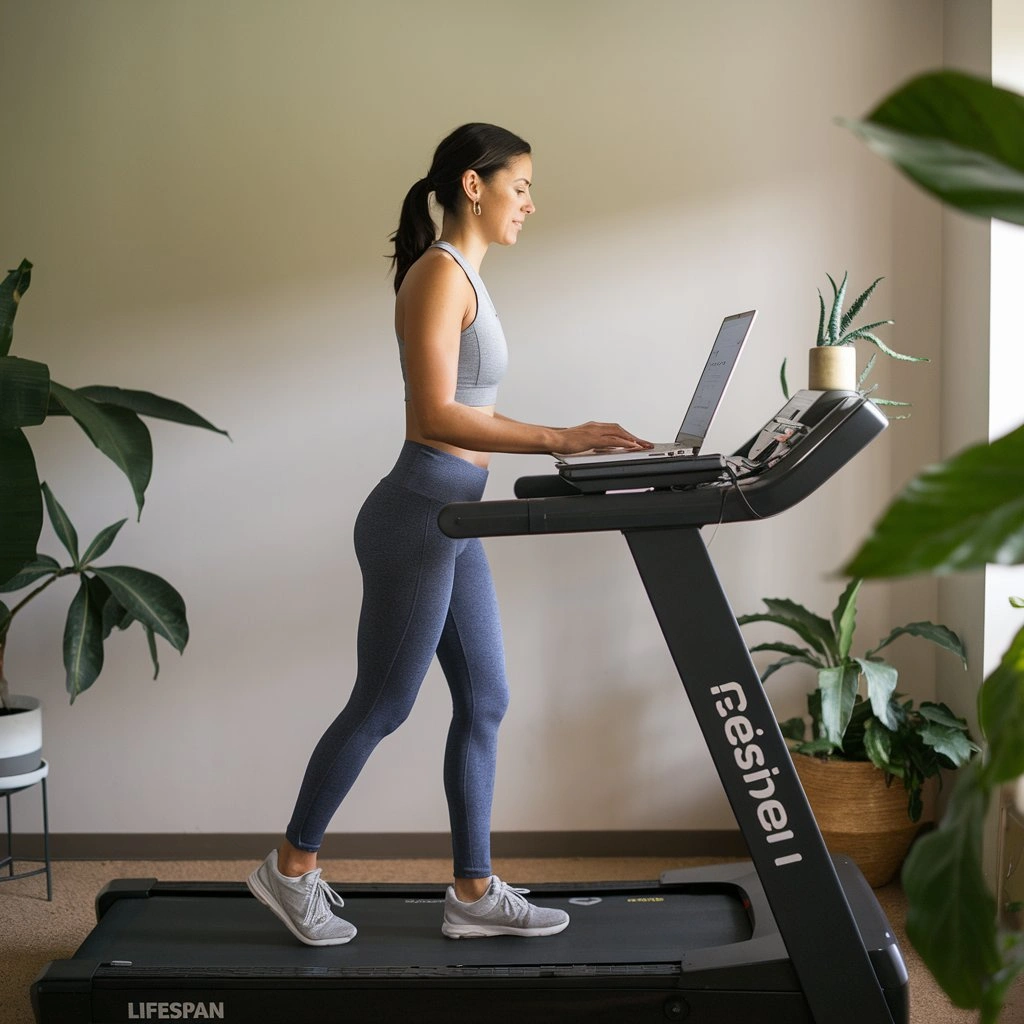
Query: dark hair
(484, 148)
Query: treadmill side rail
(121, 889)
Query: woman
(424, 593)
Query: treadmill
(792, 935)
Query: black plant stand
(8, 787)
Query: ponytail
(485, 148)
(416, 230)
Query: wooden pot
(860, 815)
(832, 368)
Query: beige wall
(207, 189)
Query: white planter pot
(832, 368)
(21, 737)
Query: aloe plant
(111, 419)
(836, 327)
(878, 724)
(960, 138)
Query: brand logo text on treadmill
(750, 759)
(175, 1011)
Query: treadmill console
(784, 429)
(808, 440)
(791, 425)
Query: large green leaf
(21, 504)
(941, 715)
(114, 614)
(881, 679)
(811, 628)
(24, 392)
(838, 688)
(83, 641)
(153, 653)
(43, 566)
(960, 514)
(950, 910)
(794, 654)
(815, 628)
(102, 542)
(116, 617)
(962, 139)
(1001, 713)
(844, 618)
(146, 404)
(957, 136)
(941, 635)
(878, 746)
(950, 743)
(14, 286)
(774, 667)
(150, 599)
(118, 433)
(62, 525)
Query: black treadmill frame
(662, 528)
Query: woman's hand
(600, 437)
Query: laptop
(710, 388)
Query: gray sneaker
(501, 910)
(305, 904)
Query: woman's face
(505, 201)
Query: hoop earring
(476, 207)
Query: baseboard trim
(382, 845)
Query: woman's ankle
(293, 862)
(469, 890)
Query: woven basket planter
(860, 815)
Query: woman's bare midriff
(412, 433)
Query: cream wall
(207, 190)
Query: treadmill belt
(197, 934)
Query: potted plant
(114, 596)
(832, 363)
(863, 733)
(961, 515)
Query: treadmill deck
(175, 933)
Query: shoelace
(512, 899)
(321, 898)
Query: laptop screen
(717, 371)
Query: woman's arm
(437, 299)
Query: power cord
(721, 508)
(739, 490)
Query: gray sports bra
(483, 354)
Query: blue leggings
(423, 592)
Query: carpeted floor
(33, 931)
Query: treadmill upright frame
(757, 773)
